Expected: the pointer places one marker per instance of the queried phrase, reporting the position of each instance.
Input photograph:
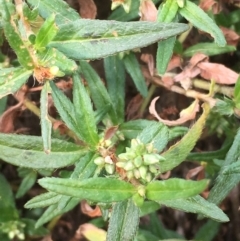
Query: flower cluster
(140, 161)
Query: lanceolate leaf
(27, 151)
(18, 45)
(63, 12)
(99, 94)
(46, 124)
(115, 77)
(46, 33)
(93, 189)
(202, 21)
(12, 79)
(133, 68)
(66, 110)
(60, 203)
(178, 152)
(224, 183)
(209, 49)
(7, 205)
(54, 210)
(197, 205)
(174, 188)
(92, 39)
(157, 133)
(123, 222)
(167, 13)
(84, 112)
(52, 57)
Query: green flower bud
(130, 175)
(121, 164)
(141, 191)
(149, 159)
(109, 168)
(108, 160)
(136, 173)
(99, 161)
(150, 148)
(153, 168)
(134, 143)
(149, 177)
(141, 148)
(143, 171)
(129, 166)
(138, 161)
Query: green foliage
(105, 159)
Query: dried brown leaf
(148, 11)
(185, 115)
(218, 72)
(133, 107)
(110, 132)
(231, 36)
(191, 70)
(8, 117)
(88, 210)
(149, 60)
(88, 9)
(197, 171)
(207, 5)
(90, 232)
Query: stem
(147, 99)
(33, 108)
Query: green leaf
(84, 112)
(64, 14)
(211, 155)
(30, 230)
(123, 222)
(6, 9)
(99, 94)
(236, 93)
(177, 131)
(164, 54)
(120, 15)
(46, 124)
(209, 49)
(198, 205)
(144, 235)
(102, 38)
(43, 200)
(26, 151)
(167, 11)
(55, 210)
(60, 204)
(148, 207)
(52, 57)
(30, 14)
(208, 231)
(46, 33)
(133, 68)
(174, 188)
(3, 105)
(93, 189)
(12, 79)
(157, 133)
(202, 21)
(132, 129)
(19, 46)
(115, 77)
(7, 204)
(166, 14)
(224, 183)
(232, 168)
(65, 109)
(178, 152)
(27, 183)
